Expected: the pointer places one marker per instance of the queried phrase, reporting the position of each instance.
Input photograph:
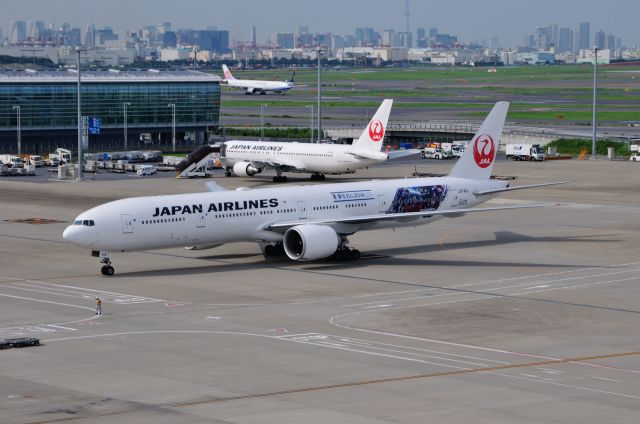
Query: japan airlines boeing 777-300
(305, 223)
(259, 86)
(248, 158)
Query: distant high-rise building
(90, 36)
(599, 39)
(213, 40)
(433, 32)
(253, 36)
(73, 37)
(302, 37)
(565, 40)
(350, 41)
(583, 36)
(163, 28)
(529, 41)
(366, 36)
(18, 31)
(35, 29)
(337, 42)
(105, 34)
(323, 39)
(543, 38)
(403, 40)
(495, 43)
(554, 35)
(421, 38)
(169, 39)
(610, 42)
(387, 37)
(618, 43)
(284, 40)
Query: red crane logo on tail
(484, 150)
(376, 130)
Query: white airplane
(259, 86)
(248, 158)
(305, 223)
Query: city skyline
(335, 17)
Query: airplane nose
(67, 233)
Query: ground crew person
(98, 306)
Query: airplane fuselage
(301, 157)
(213, 218)
(258, 85)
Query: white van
(146, 170)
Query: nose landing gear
(105, 259)
(107, 269)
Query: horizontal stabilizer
(500, 190)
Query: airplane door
(201, 222)
(382, 203)
(302, 210)
(127, 223)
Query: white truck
(435, 153)
(12, 161)
(60, 157)
(35, 160)
(525, 151)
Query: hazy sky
(471, 20)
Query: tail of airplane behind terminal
(372, 136)
(227, 73)
(292, 77)
(479, 157)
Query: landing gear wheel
(274, 250)
(107, 270)
(318, 177)
(280, 179)
(227, 173)
(354, 254)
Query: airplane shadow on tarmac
(225, 263)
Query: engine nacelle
(245, 169)
(310, 242)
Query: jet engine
(310, 242)
(245, 169)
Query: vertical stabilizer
(372, 136)
(227, 73)
(480, 155)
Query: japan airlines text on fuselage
(301, 222)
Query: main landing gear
(317, 177)
(274, 250)
(279, 178)
(345, 254)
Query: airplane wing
(395, 154)
(500, 190)
(281, 227)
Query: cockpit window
(87, 223)
(77, 222)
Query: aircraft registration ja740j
(305, 223)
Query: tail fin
(227, 73)
(478, 159)
(371, 138)
(292, 77)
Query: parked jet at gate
(248, 158)
(305, 223)
(259, 86)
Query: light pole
(17, 109)
(319, 95)
(125, 104)
(310, 124)
(595, 87)
(80, 159)
(173, 126)
(262, 106)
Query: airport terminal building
(45, 104)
